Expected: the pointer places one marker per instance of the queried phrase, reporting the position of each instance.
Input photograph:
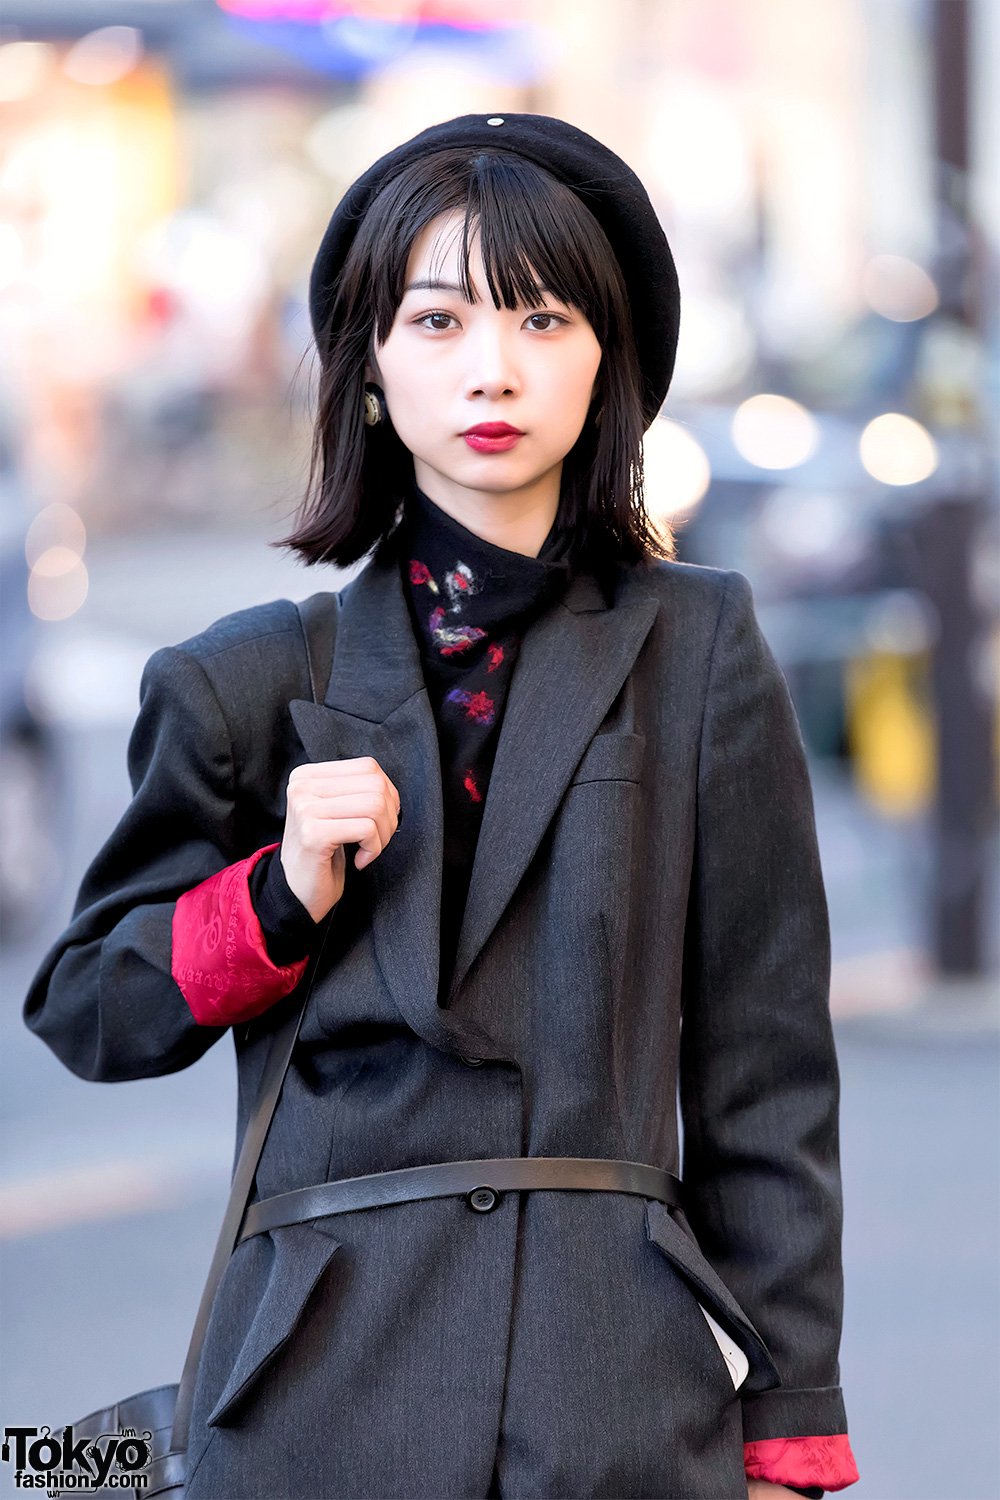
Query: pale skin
(446, 365)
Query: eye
(553, 318)
(437, 327)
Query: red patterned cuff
(218, 953)
(802, 1461)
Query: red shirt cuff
(805, 1461)
(218, 952)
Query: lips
(492, 437)
(493, 430)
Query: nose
(492, 370)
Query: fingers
(360, 765)
(332, 776)
(351, 801)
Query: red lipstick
(492, 437)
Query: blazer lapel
(376, 704)
(572, 664)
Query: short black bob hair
(526, 220)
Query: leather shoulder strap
(318, 618)
(319, 627)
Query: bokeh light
(104, 56)
(813, 530)
(895, 449)
(24, 68)
(57, 584)
(898, 289)
(57, 526)
(774, 432)
(676, 469)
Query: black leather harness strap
(487, 1177)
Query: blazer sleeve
(759, 1083)
(105, 998)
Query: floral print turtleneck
(471, 602)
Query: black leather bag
(158, 1419)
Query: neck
(518, 520)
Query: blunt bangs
(524, 219)
(535, 236)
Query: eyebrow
(431, 286)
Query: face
(449, 365)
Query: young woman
(585, 878)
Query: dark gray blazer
(648, 851)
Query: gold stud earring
(376, 410)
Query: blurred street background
(827, 175)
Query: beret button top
(495, 120)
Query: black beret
(608, 187)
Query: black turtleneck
(470, 602)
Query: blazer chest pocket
(611, 757)
(302, 1254)
(687, 1259)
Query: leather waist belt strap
(442, 1179)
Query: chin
(488, 473)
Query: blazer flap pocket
(612, 757)
(302, 1253)
(684, 1253)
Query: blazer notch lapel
(572, 666)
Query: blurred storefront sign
(88, 171)
(353, 40)
(211, 43)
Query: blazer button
(482, 1199)
(471, 1062)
